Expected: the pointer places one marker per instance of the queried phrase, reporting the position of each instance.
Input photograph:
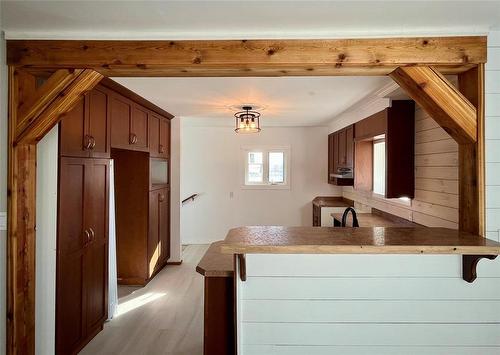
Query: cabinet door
(335, 152)
(98, 124)
(164, 225)
(154, 136)
(342, 148)
(164, 147)
(71, 240)
(120, 121)
(330, 156)
(72, 130)
(349, 150)
(139, 132)
(154, 246)
(96, 256)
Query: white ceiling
(244, 19)
(286, 101)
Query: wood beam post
(446, 104)
(472, 204)
(32, 113)
(58, 95)
(21, 226)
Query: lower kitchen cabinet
(82, 252)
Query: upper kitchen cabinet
(341, 157)
(159, 136)
(85, 131)
(129, 124)
(395, 128)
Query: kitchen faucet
(355, 222)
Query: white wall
(3, 189)
(46, 231)
(211, 165)
(175, 190)
(492, 111)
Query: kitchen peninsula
(303, 286)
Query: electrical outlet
(3, 221)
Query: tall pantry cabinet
(108, 122)
(82, 242)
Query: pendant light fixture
(247, 121)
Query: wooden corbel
(469, 266)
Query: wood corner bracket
(242, 266)
(469, 265)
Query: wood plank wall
(492, 113)
(436, 179)
(295, 304)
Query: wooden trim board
(377, 56)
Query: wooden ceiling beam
(377, 56)
(43, 96)
(57, 96)
(445, 103)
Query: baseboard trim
(174, 262)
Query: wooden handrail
(192, 197)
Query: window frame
(265, 185)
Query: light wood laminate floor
(164, 317)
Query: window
(379, 167)
(266, 167)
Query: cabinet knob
(92, 142)
(87, 142)
(133, 138)
(161, 149)
(92, 234)
(161, 197)
(86, 234)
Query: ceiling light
(247, 121)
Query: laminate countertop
(361, 240)
(216, 264)
(332, 201)
(376, 219)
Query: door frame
(71, 68)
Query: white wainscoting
(367, 304)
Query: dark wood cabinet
(159, 136)
(341, 156)
(129, 124)
(142, 218)
(395, 124)
(159, 231)
(85, 132)
(139, 128)
(82, 257)
(121, 114)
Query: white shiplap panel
(372, 265)
(492, 196)
(370, 311)
(492, 150)
(492, 105)
(492, 82)
(366, 350)
(372, 334)
(364, 288)
(493, 219)
(494, 38)
(493, 58)
(493, 235)
(492, 173)
(492, 128)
